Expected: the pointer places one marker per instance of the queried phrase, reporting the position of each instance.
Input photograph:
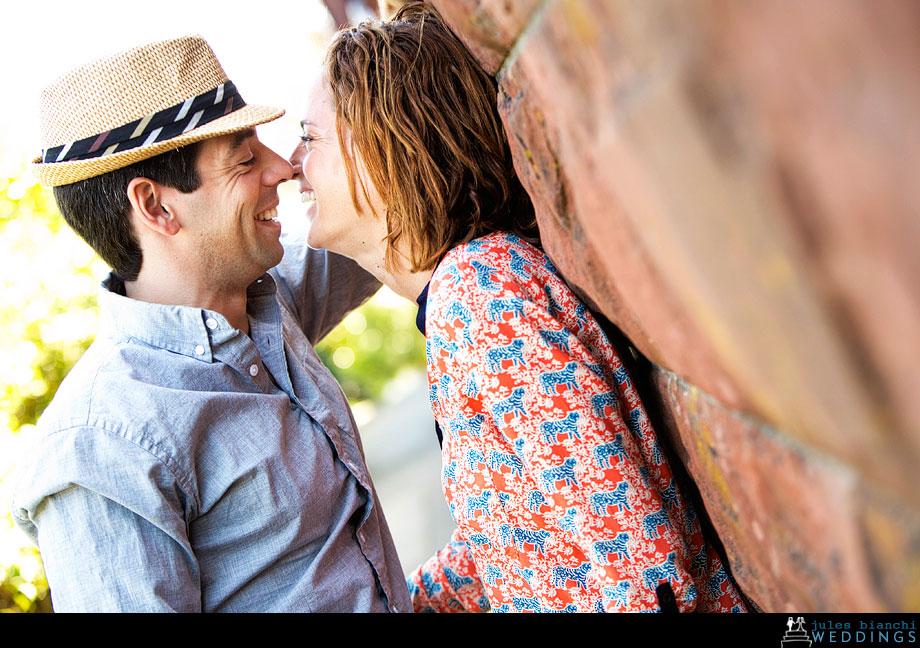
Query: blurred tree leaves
(48, 307)
(372, 345)
(49, 314)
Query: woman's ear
(146, 198)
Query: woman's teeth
(268, 214)
(307, 196)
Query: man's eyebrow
(238, 139)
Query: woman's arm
(448, 581)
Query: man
(198, 457)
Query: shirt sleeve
(109, 521)
(320, 287)
(448, 581)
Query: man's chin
(277, 257)
(270, 257)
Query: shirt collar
(422, 302)
(194, 332)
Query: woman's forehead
(320, 110)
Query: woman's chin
(320, 240)
(315, 239)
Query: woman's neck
(395, 275)
(398, 279)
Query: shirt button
(211, 323)
(254, 370)
(199, 350)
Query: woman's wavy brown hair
(424, 121)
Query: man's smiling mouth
(268, 214)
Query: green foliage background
(48, 316)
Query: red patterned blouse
(562, 498)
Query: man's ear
(146, 198)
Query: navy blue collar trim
(422, 302)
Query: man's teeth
(307, 196)
(268, 214)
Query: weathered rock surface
(731, 184)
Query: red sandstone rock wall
(733, 183)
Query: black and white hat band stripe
(157, 127)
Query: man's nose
(280, 170)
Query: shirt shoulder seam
(111, 428)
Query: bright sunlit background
(48, 312)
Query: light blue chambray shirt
(184, 465)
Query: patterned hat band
(156, 127)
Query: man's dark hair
(98, 209)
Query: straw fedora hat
(119, 110)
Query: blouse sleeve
(448, 581)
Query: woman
(562, 498)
